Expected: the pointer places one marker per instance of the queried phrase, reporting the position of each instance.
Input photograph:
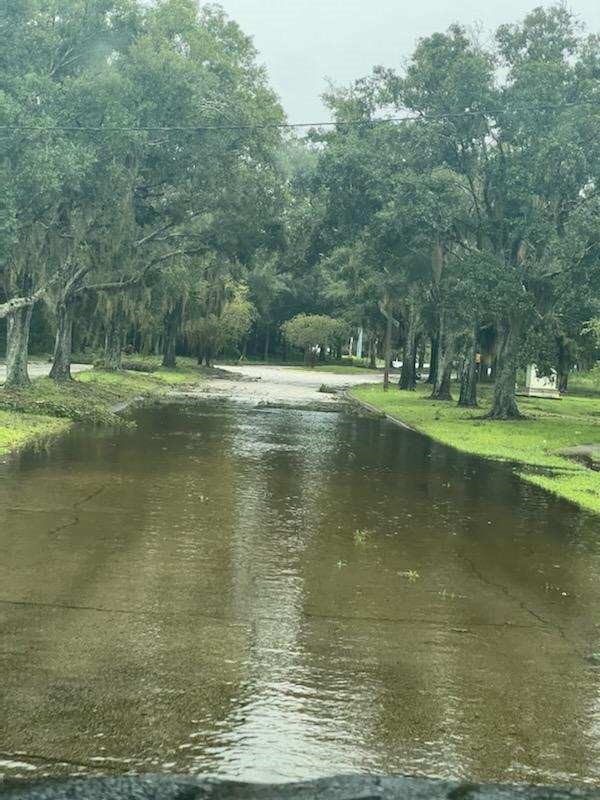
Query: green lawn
(186, 372)
(343, 368)
(46, 408)
(534, 442)
(18, 430)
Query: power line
(295, 125)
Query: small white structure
(536, 386)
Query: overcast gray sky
(305, 42)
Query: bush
(133, 364)
(308, 332)
(139, 365)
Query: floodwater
(277, 594)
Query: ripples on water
(191, 597)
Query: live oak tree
(101, 194)
(219, 312)
(46, 46)
(147, 192)
(523, 156)
(308, 332)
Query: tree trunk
(504, 405)
(372, 352)
(443, 367)
(438, 364)
(436, 367)
(267, 342)
(63, 345)
(563, 382)
(113, 360)
(442, 388)
(408, 379)
(387, 346)
(564, 366)
(171, 324)
(433, 360)
(468, 383)
(415, 356)
(18, 326)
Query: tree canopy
(151, 195)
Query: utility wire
(297, 125)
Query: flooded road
(276, 594)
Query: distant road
(285, 385)
(39, 369)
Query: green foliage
(475, 221)
(224, 317)
(309, 331)
(140, 365)
(411, 574)
(481, 213)
(360, 537)
(76, 401)
(19, 430)
(46, 409)
(94, 396)
(113, 219)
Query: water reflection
(191, 596)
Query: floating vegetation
(551, 587)
(411, 574)
(360, 537)
(451, 595)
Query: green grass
(587, 383)
(186, 372)
(534, 442)
(46, 408)
(336, 367)
(18, 430)
(343, 369)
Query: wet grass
(534, 442)
(360, 537)
(46, 408)
(18, 430)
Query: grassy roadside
(18, 430)
(533, 443)
(343, 369)
(359, 367)
(46, 409)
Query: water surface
(192, 596)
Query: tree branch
(17, 303)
